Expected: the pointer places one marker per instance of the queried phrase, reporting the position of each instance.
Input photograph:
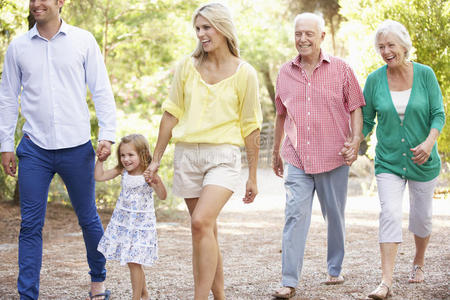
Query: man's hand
(103, 150)
(350, 150)
(9, 163)
(277, 164)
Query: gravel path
(250, 239)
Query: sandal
(381, 292)
(285, 292)
(331, 280)
(412, 276)
(105, 295)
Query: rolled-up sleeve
(175, 104)
(250, 107)
(9, 104)
(98, 82)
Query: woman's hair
(396, 28)
(142, 148)
(220, 18)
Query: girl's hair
(142, 148)
(396, 28)
(220, 18)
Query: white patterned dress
(131, 233)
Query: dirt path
(250, 239)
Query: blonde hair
(399, 30)
(141, 146)
(220, 18)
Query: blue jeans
(331, 188)
(37, 167)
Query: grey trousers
(331, 188)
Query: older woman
(212, 110)
(407, 101)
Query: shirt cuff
(107, 135)
(7, 146)
(172, 109)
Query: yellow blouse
(221, 113)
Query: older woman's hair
(220, 18)
(307, 15)
(396, 28)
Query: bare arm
(158, 187)
(277, 162)
(168, 122)
(422, 152)
(101, 175)
(252, 148)
(351, 147)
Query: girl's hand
(422, 152)
(151, 171)
(251, 190)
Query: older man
(49, 67)
(318, 107)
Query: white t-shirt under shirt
(400, 100)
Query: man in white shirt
(49, 67)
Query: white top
(53, 75)
(400, 100)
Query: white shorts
(390, 192)
(198, 165)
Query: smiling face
(308, 37)
(45, 11)
(210, 38)
(391, 50)
(130, 159)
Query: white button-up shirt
(51, 76)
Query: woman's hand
(151, 171)
(251, 190)
(422, 152)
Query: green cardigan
(425, 110)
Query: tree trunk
(268, 83)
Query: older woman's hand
(422, 152)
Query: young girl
(131, 233)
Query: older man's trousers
(331, 188)
(37, 167)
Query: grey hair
(220, 18)
(307, 15)
(396, 28)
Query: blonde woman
(213, 109)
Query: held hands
(350, 150)
(150, 172)
(251, 190)
(277, 164)
(9, 163)
(422, 152)
(103, 150)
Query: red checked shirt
(317, 112)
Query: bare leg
(137, 281)
(419, 259)
(388, 254)
(207, 266)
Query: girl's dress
(131, 233)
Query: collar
(322, 57)
(33, 32)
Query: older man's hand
(103, 150)
(350, 150)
